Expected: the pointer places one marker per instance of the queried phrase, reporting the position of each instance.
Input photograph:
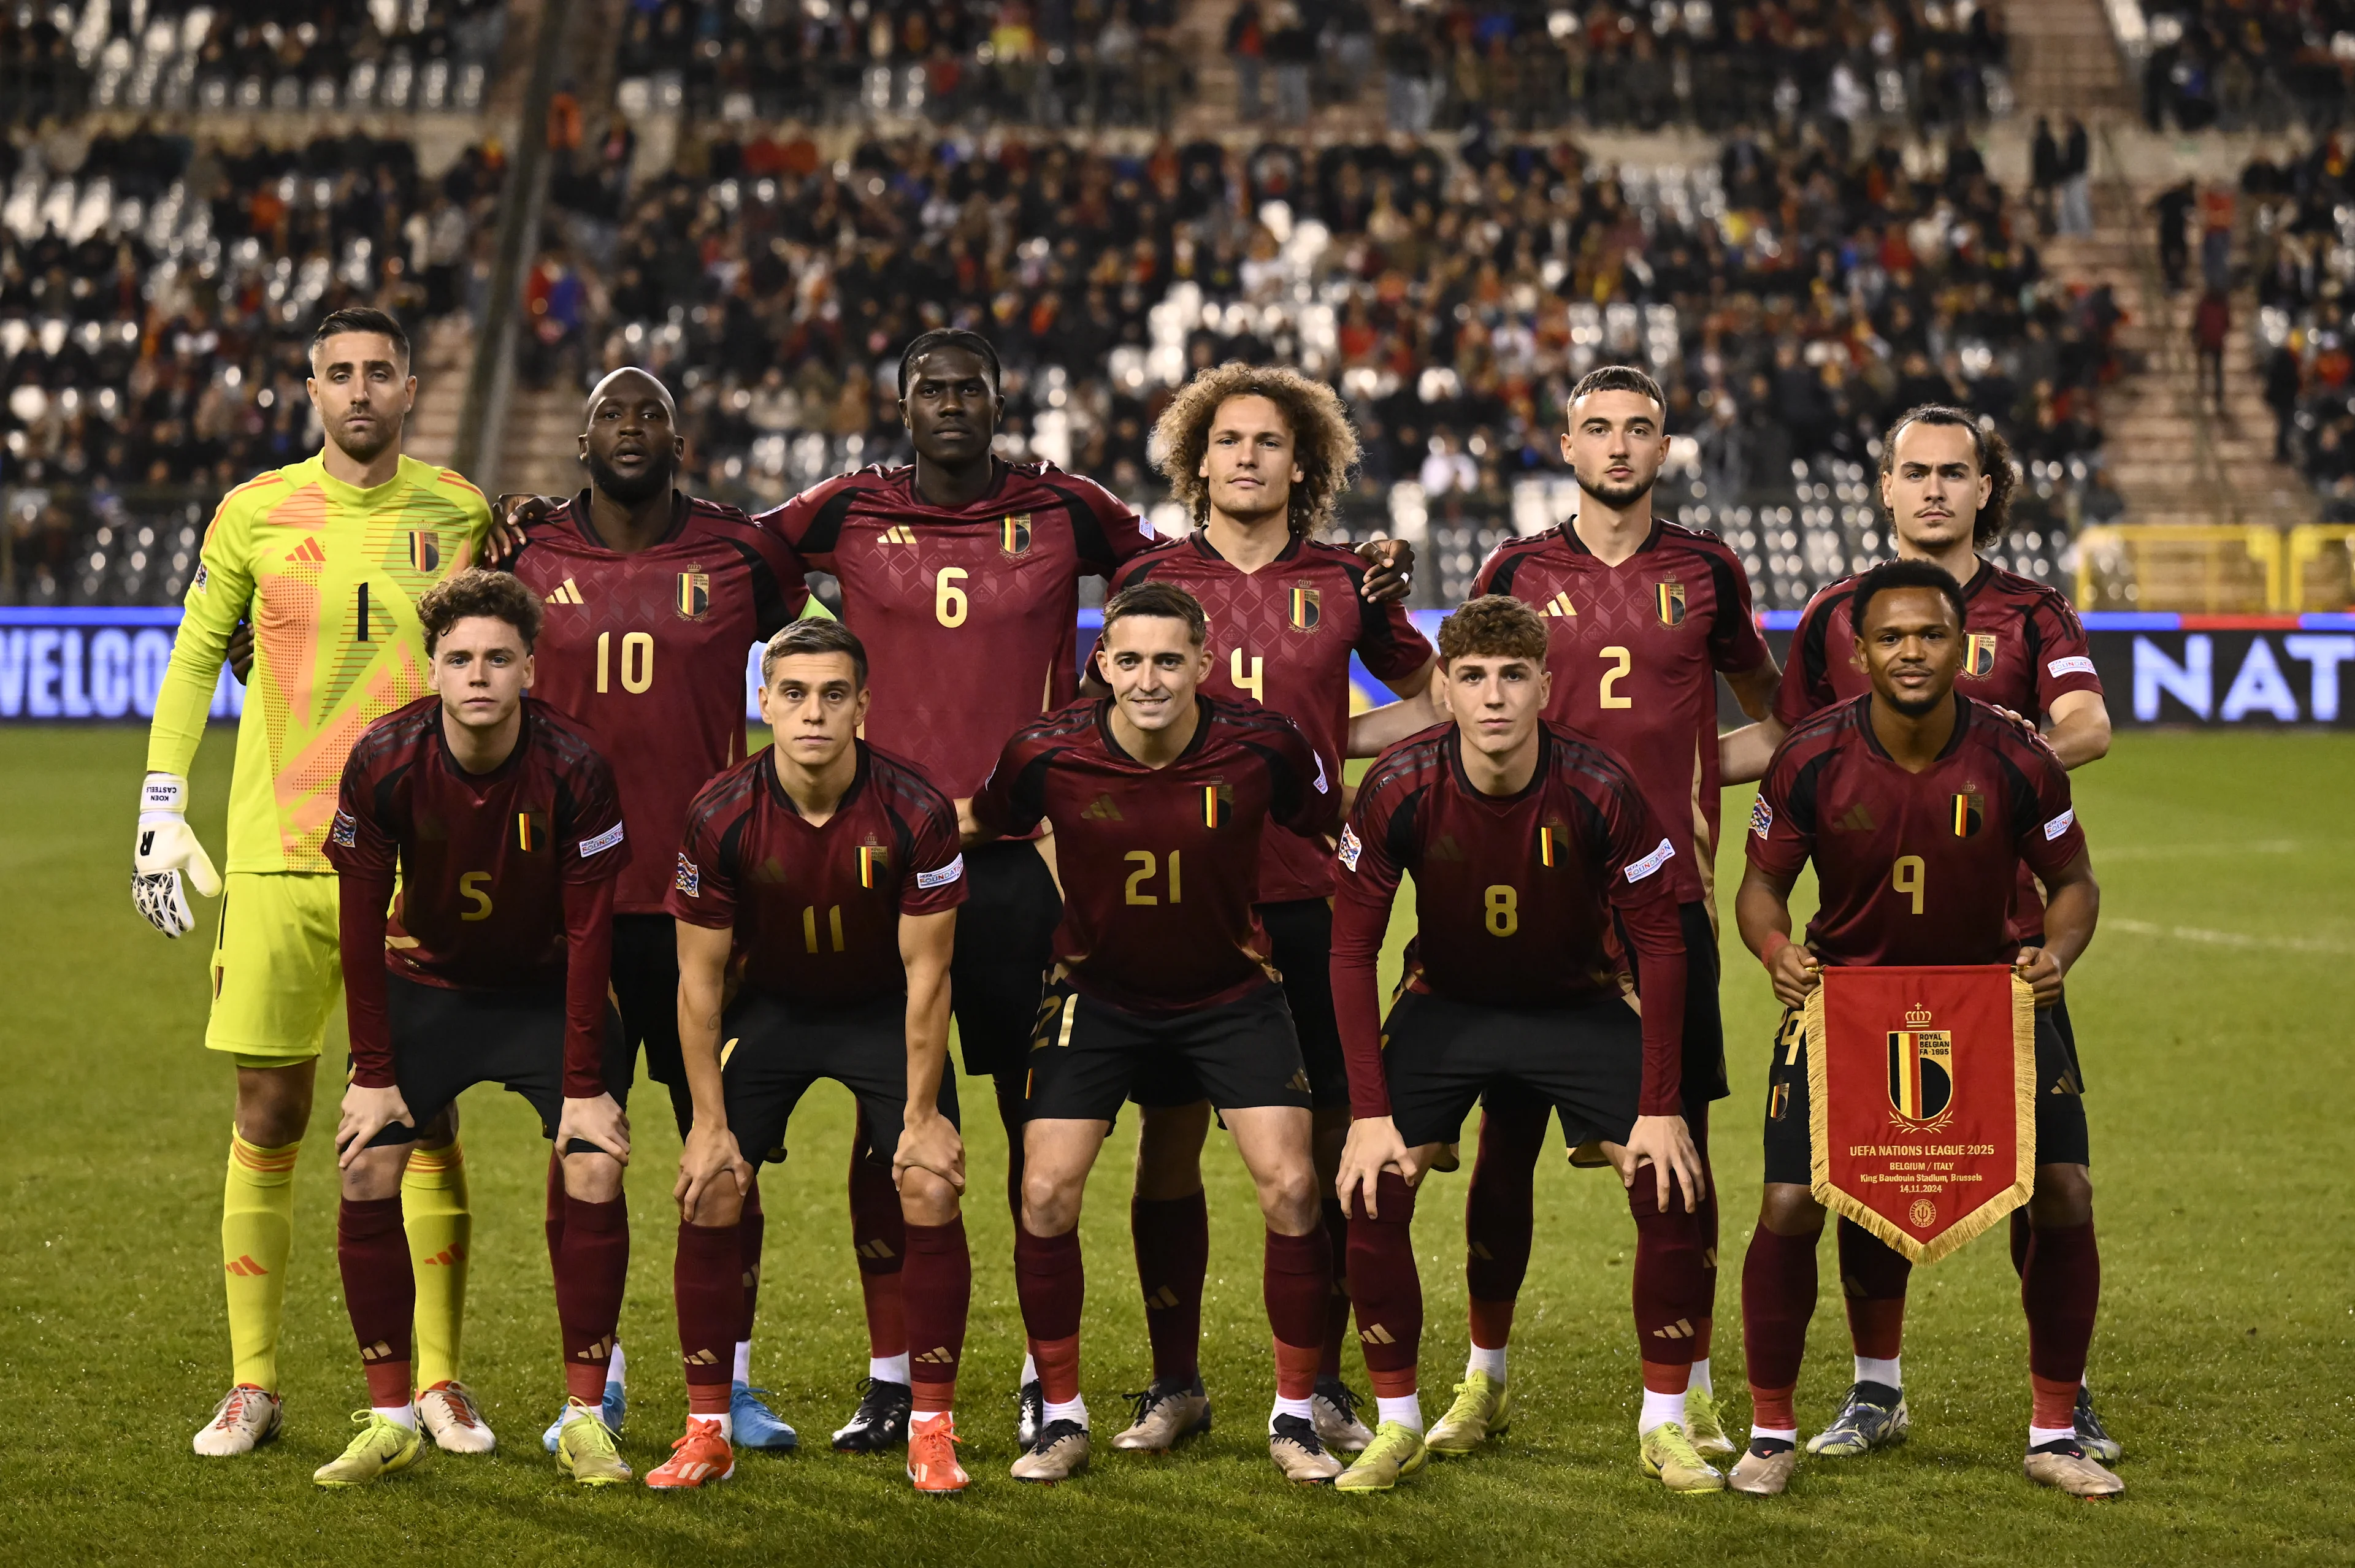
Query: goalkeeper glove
(167, 846)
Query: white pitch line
(2228, 938)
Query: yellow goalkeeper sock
(440, 1232)
(257, 1233)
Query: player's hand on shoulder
(598, 1120)
(1795, 973)
(366, 1112)
(2042, 972)
(708, 1156)
(930, 1143)
(510, 516)
(1392, 576)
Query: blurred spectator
(2076, 209)
(2044, 171)
(1247, 47)
(2212, 328)
(2174, 207)
(2280, 395)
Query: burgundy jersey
(1635, 650)
(1282, 636)
(1160, 866)
(1913, 868)
(968, 615)
(2025, 648)
(816, 910)
(1517, 900)
(645, 653)
(483, 858)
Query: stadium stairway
(538, 451)
(2066, 59)
(442, 367)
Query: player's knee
(1050, 1205)
(718, 1206)
(274, 1105)
(1789, 1209)
(596, 1178)
(1169, 1151)
(1288, 1198)
(926, 1199)
(2064, 1197)
(375, 1174)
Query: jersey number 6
(949, 604)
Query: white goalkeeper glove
(167, 846)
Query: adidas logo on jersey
(897, 533)
(1856, 819)
(308, 553)
(1560, 604)
(567, 592)
(1102, 809)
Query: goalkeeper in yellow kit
(326, 558)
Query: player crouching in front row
(1527, 846)
(505, 832)
(828, 875)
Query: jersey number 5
(637, 661)
(470, 888)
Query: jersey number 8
(1503, 906)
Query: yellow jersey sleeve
(215, 600)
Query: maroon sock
(554, 1222)
(707, 1283)
(938, 1287)
(1013, 1111)
(1672, 1287)
(751, 1237)
(1337, 1305)
(1778, 1297)
(2061, 1287)
(880, 1237)
(1385, 1287)
(1172, 1237)
(1697, 1123)
(588, 1280)
(1052, 1285)
(1872, 1279)
(2020, 1233)
(1296, 1280)
(1500, 1204)
(379, 1292)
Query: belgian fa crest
(1015, 534)
(1979, 655)
(1306, 606)
(424, 551)
(1921, 1073)
(694, 594)
(1668, 600)
(1969, 814)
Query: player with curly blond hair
(1323, 442)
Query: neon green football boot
(585, 1448)
(1482, 1409)
(382, 1447)
(1397, 1452)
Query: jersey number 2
(1607, 695)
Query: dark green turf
(2217, 1067)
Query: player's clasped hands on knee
(1373, 1147)
(930, 1143)
(366, 1112)
(2042, 972)
(710, 1157)
(596, 1119)
(1666, 1144)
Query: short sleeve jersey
(816, 908)
(1160, 866)
(1635, 651)
(645, 653)
(1282, 636)
(483, 858)
(1513, 896)
(967, 614)
(1913, 868)
(329, 575)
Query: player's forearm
(1358, 931)
(702, 996)
(1657, 940)
(2080, 731)
(2072, 909)
(588, 978)
(928, 1037)
(1762, 914)
(1376, 730)
(1742, 755)
(361, 899)
(184, 701)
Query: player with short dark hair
(503, 828)
(1258, 453)
(1946, 483)
(1642, 616)
(822, 876)
(1534, 855)
(1159, 796)
(652, 597)
(1918, 806)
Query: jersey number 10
(637, 661)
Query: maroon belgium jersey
(968, 615)
(1913, 868)
(1282, 636)
(645, 652)
(816, 908)
(1518, 901)
(1635, 650)
(2026, 649)
(1160, 866)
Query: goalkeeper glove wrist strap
(163, 793)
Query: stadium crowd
(2294, 250)
(2239, 67)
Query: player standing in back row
(960, 573)
(326, 558)
(1258, 454)
(1642, 615)
(1946, 484)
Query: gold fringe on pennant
(1975, 1223)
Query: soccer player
(824, 874)
(652, 598)
(1642, 616)
(1529, 847)
(1258, 454)
(326, 557)
(505, 832)
(1159, 796)
(1945, 482)
(961, 572)
(1874, 791)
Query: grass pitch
(2213, 1014)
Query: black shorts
(1005, 945)
(446, 1041)
(1086, 1056)
(1300, 941)
(646, 988)
(771, 1051)
(1442, 1055)
(2060, 1135)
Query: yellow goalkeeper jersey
(329, 574)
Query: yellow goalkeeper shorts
(277, 970)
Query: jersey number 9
(1908, 876)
